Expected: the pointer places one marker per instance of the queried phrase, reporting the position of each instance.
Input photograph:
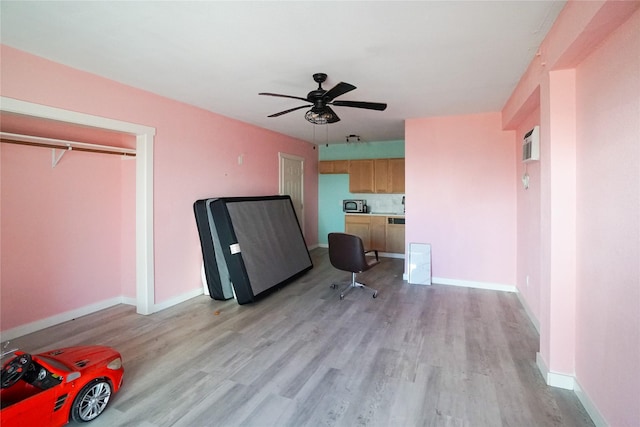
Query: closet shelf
(37, 141)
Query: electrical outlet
(527, 280)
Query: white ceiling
(423, 59)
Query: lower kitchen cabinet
(395, 238)
(376, 232)
(359, 225)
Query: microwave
(354, 206)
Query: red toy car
(52, 388)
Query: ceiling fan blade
(339, 89)
(334, 117)
(359, 104)
(288, 111)
(283, 96)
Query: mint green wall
(362, 150)
(333, 188)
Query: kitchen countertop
(377, 214)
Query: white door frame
(282, 156)
(145, 289)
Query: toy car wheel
(91, 400)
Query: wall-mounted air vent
(531, 145)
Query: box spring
(254, 245)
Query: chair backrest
(346, 252)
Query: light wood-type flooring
(414, 356)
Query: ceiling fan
(321, 112)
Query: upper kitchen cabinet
(361, 176)
(381, 175)
(376, 176)
(396, 176)
(333, 166)
(389, 176)
(369, 175)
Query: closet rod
(36, 141)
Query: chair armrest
(373, 250)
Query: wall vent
(531, 145)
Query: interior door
(292, 182)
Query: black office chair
(346, 252)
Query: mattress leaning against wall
(215, 267)
(261, 242)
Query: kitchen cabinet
(376, 176)
(333, 166)
(389, 176)
(377, 232)
(361, 176)
(395, 238)
(381, 175)
(395, 174)
(359, 225)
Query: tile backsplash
(383, 203)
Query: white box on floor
(420, 263)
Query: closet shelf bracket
(55, 158)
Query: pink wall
(580, 27)
(608, 230)
(128, 229)
(461, 196)
(558, 218)
(59, 249)
(195, 156)
(585, 85)
(528, 263)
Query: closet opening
(63, 131)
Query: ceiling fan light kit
(321, 112)
(321, 118)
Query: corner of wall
(554, 379)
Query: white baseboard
(474, 284)
(179, 299)
(61, 318)
(469, 284)
(390, 255)
(38, 325)
(383, 254)
(569, 382)
(129, 301)
(529, 312)
(554, 379)
(591, 409)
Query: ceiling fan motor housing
(317, 98)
